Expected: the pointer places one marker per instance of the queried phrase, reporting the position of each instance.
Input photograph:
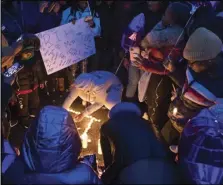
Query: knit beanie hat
(202, 45)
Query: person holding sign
(98, 88)
(78, 10)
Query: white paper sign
(66, 45)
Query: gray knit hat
(202, 45)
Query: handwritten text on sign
(66, 45)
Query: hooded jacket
(96, 88)
(137, 150)
(201, 147)
(51, 149)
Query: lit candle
(99, 147)
(84, 138)
(175, 111)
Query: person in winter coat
(152, 16)
(78, 10)
(132, 154)
(159, 44)
(50, 152)
(28, 79)
(100, 88)
(105, 46)
(206, 16)
(200, 87)
(201, 147)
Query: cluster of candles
(84, 136)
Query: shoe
(32, 116)
(84, 103)
(174, 149)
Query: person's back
(201, 147)
(51, 149)
(135, 145)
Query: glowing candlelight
(175, 111)
(84, 138)
(99, 147)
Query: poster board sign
(66, 45)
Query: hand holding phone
(15, 68)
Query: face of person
(26, 55)
(198, 66)
(168, 17)
(82, 4)
(154, 6)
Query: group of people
(173, 59)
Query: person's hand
(43, 6)
(169, 65)
(73, 21)
(126, 63)
(79, 118)
(138, 61)
(41, 85)
(57, 7)
(89, 20)
(7, 62)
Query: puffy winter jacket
(139, 158)
(51, 149)
(30, 76)
(201, 147)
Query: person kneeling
(100, 88)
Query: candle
(84, 138)
(175, 111)
(99, 147)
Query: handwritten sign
(66, 45)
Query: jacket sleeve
(40, 71)
(64, 18)
(65, 14)
(178, 77)
(156, 68)
(97, 28)
(164, 37)
(70, 98)
(92, 108)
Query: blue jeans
(134, 75)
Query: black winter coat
(31, 75)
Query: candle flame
(84, 136)
(175, 111)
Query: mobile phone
(15, 68)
